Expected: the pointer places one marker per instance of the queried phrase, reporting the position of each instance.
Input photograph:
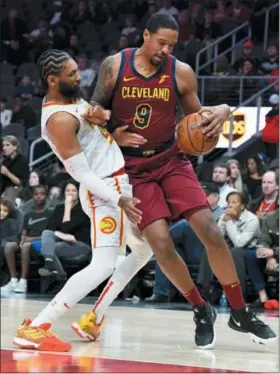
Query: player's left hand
(271, 264)
(214, 119)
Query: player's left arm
(214, 116)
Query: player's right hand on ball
(128, 205)
(128, 139)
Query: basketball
(191, 140)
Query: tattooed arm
(106, 81)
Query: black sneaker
(246, 321)
(48, 269)
(204, 318)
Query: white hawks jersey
(101, 151)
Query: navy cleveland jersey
(146, 104)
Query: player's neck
(58, 98)
(142, 62)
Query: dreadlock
(50, 63)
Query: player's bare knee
(213, 238)
(164, 249)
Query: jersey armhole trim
(173, 69)
(120, 70)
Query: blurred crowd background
(35, 195)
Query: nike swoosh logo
(33, 221)
(127, 79)
(237, 323)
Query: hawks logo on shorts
(107, 225)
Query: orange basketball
(190, 137)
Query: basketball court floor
(135, 338)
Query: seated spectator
(248, 48)
(187, 242)
(23, 114)
(241, 229)
(238, 12)
(265, 257)
(13, 27)
(34, 223)
(223, 67)
(15, 53)
(220, 177)
(80, 14)
(14, 168)
(209, 30)
(220, 13)
(5, 114)
(61, 38)
(8, 236)
(253, 176)
(86, 73)
(25, 89)
(73, 49)
(123, 43)
(168, 8)
(35, 179)
(235, 179)
(270, 133)
(68, 233)
(271, 61)
(267, 202)
(58, 176)
(129, 26)
(42, 24)
(186, 26)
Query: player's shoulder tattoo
(103, 90)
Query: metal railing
(256, 100)
(244, 27)
(233, 90)
(34, 163)
(267, 13)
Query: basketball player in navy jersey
(142, 87)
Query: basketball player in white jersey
(91, 156)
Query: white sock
(120, 278)
(80, 284)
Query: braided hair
(50, 63)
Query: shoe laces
(39, 331)
(202, 316)
(251, 316)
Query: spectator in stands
(57, 14)
(81, 14)
(220, 13)
(267, 202)
(238, 12)
(209, 30)
(253, 176)
(129, 27)
(123, 43)
(73, 49)
(13, 27)
(168, 8)
(248, 48)
(14, 168)
(270, 133)
(5, 114)
(265, 257)
(68, 233)
(26, 194)
(23, 113)
(186, 26)
(42, 25)
(58, 176)
(34, 224)
(42, 41)
(241, 229)
(86, 73)
(25, 89)
(220, 177)
(196, 11)
(271, 61)
(15, 53)
(187, 242)
(223, 67)
(61, 38)
(8, 236)
(235, 179)
(152, 9)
